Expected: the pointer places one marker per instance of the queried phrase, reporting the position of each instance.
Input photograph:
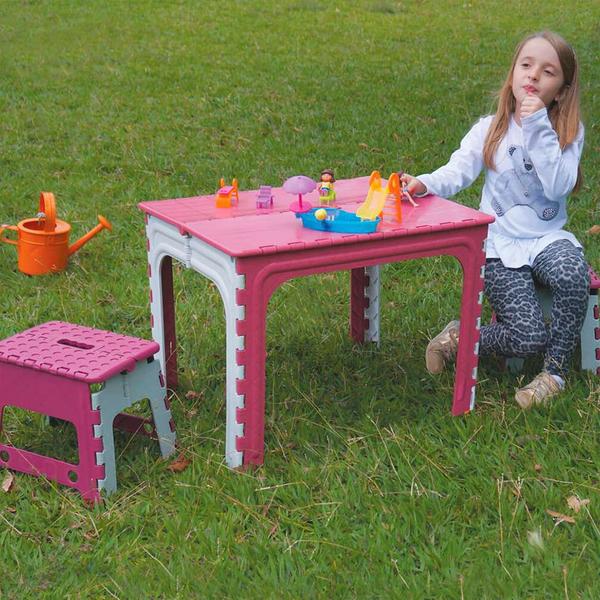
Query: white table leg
(372, 310)
(221, 269)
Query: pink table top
(75, 351)
(244, 230)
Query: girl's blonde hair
(563, 113)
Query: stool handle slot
(75, 344)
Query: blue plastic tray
(338, 220)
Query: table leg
(473, 264)
(252, 358)
(358, 304)
(162, 308)
(221, 269)
(372, 309)
(164, 242)
(169, 342)
(364, 304)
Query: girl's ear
(562, 93)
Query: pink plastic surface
(266, 272)
(271, 247)
(594, 280)
(66, 399)
(180, 211)
(278, 230)
(75, 351)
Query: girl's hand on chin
(530, 104)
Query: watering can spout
(102, 224)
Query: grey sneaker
(442, 348)
(539, 391)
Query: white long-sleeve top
(526, 192)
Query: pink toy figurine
(299, 184)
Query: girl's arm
(464, 165)
(556, 168)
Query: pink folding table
(249, 252)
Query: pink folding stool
(49, 369)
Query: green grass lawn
(370, 489)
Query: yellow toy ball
(320, 214)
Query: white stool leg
(590, 336)
(119, 393)
(515, 364)
(109, 401)
(145, 381)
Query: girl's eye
(525, 64)
(548, 72)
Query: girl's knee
(565, 269)
(571, 283)
(529, 340)
(581, 275)
(575, 270)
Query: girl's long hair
(564, 113)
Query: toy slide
(377, 196)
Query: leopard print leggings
(520, 329)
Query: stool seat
(49, 368)
(75, 351)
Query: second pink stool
(49, 369)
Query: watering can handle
(48, 207)
(5, 239)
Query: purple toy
(299, 184)
(264, 198)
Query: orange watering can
(43, 242)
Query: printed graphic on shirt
(520, 186)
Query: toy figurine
(405, 193)
(325, 187)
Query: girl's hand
(413, 185)
(530, 104)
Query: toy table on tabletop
(248, 252)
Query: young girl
(530, 150)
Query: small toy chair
(264, 198)
(590, 331)
(227, 195)
(48, 369)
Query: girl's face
(538, 72)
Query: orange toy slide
(376, 199)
